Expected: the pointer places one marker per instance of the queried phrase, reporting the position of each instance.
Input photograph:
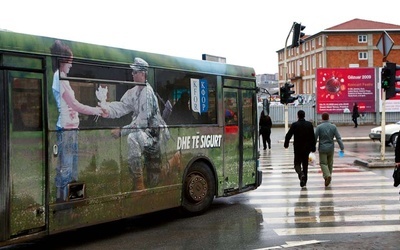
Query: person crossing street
(303, 144)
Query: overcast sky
(246, 33)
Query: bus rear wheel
(198, 189)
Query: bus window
(27, 104)
(85, 79)
(185, 98)
(231, 112)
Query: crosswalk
(357, 201)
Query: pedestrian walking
(303, 144)
(355, 114)
(396, 173)
(325, 134)
(265, 129)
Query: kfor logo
(199, 95)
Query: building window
(362, 38)
(362, 55)
(320, 60)
(314, 61)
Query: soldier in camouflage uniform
(146, 132)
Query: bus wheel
(198, 189)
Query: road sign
(385, 44)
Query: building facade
(350, 44)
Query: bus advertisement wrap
(97, 134)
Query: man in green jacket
(326, 132)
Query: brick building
(350, 44)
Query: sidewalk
(359, 133)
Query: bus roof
(40, 45)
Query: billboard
(338, 88)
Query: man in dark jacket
(303, 144)
(265, 129)
(396, 174)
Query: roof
(356, 25)
(360, 24)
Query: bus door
(22, 170)
(240, 149)
(232, 140)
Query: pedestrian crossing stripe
(294, 244)
(336, 218)
(343, 176)
(376, 197)
(346, 170)
(337, 230)
(338, 183)
(290, 173)
(266, 194)
(312, 184)
(291, 210)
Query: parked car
(391, 133)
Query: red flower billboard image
(338, 88)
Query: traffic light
(289, 93)
(389, 79)
(385, 78)
(297, 34)
(283, 95)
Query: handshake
(102, 110)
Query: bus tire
(198, 189)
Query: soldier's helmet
(139, 64)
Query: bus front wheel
(198, 188)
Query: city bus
(63, 166)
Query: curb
(375, 163)
(355, 139)
(343, 139)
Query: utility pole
(285, 79)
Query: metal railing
(277, 114)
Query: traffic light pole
(383, 122)
(285, 79)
